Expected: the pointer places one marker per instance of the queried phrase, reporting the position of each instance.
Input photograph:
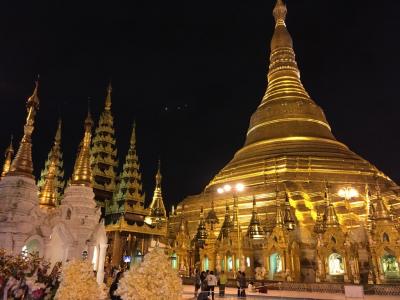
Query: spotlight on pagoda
(348, 193)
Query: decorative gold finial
(108, 98)
(133, 136)
(8, 158)
(22, 163)
(157, 204)
(279, 13)
(158, 175)
(48, 191)
(82, 171)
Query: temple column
(100, 267)
(116, 258)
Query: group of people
(206, 281)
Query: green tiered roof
(51, 183)
(104, 160)
(129, 197)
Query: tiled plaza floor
(281, 295)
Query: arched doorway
(275, 265)
(174, 261)
(335, 265)
(32, 246)
(205, 263)
(390, 266)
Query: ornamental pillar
(100, 267)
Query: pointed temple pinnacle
(82, 174)
(381, 211)
(133, 136)
(8, 155)
(48, 191)
(108, 97)
(279, 13)
(22, 163)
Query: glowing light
(239, 187)
(348, 193)
(227, 188)
(220, 190)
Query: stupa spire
(330, 218)
(289, 219)
(255, 230)
(212, 218)
(129, 196)
(22, 163)
(226, 225)
(286, 110)
(8, 155)
(108, 103)
(381, 212)
(157, 208)
(201, 234)
(279, 219)
(82, 174)
(104, 156)
(51, 181)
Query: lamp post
(238, 188)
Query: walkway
(231, 294)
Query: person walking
(211, 283)
(238, 276)
(197, 282)
(222, 282)
(114, 286)
(243, 285)
(203, 295)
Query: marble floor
(281, 295)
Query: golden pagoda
(289, 144)
(82, 174)
(22, 164)
(51, 183)
(8, 155)
(157, 208)
(104, 155)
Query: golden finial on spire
(48, 191)
(8, 158)
(157, 204)
(133, 136)
(82, 171)
(108, 97)
(22, 163)
(279, 13)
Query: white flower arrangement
(78, 282)
(153, 279)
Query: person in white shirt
(212, 281)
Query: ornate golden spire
(330, 217)
(22, 163)
(157, 207)
(82, 174)
(279, 219)
(255, 230)
(108, 98)
(51, 182)
(286, 113)
(8, 158)
(381, 212)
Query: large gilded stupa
(290, 156)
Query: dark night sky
(209, 59)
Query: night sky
(192, 73)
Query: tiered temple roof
(129, 197)
(104, 155)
